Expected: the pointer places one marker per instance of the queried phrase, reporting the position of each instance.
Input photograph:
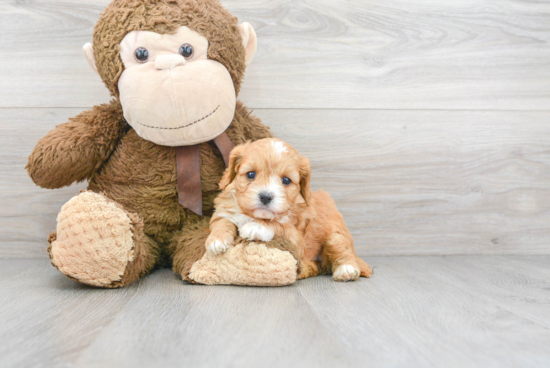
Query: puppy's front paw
(254, 231)
(346, 273)
(215, 245)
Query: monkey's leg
(340, 257)
(188, 247)
(99, 243)
(246, 263)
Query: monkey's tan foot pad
(94, 240)
(251, 264)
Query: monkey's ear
(89, 53)
(250, 41)
(234, 161)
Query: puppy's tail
(366, 271)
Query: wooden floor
(449, 311)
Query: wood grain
(384, 54)
(27, 212)
(407, 182)
(473, 311)
(441, 311)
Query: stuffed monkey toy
(154, 155)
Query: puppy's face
(269, 177)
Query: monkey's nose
(168, 61)
(265, 198)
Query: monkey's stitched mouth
(183, 126)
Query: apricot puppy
(266, 193)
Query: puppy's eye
(186, 50)
(286, 181)
(251, 175)
(141, 54)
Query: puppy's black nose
(265, 198)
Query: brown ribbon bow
(189, 172)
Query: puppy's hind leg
(366, 271)
(308, 269)
(340, 258)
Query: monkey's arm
(75, 150)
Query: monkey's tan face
(170, 92)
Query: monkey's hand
(75, 150)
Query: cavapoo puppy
(266, 193)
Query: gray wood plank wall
(428, 121)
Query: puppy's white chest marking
(235, 216)
(238, 219)
(255, 231)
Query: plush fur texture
(197, 108)
(267, 193)
(166, 16)
(265, 264)
(246, 264)
(108, 239)
(138, 176)
(75, 150)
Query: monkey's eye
(186, 50)
(141, 54)
(286, 181)
(251, 175)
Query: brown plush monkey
(174, 69)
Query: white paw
(346, 273)
(254, 231)
(217, 246)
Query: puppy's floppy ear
(305, 178)
(234, 162)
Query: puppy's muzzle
(266, 198)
